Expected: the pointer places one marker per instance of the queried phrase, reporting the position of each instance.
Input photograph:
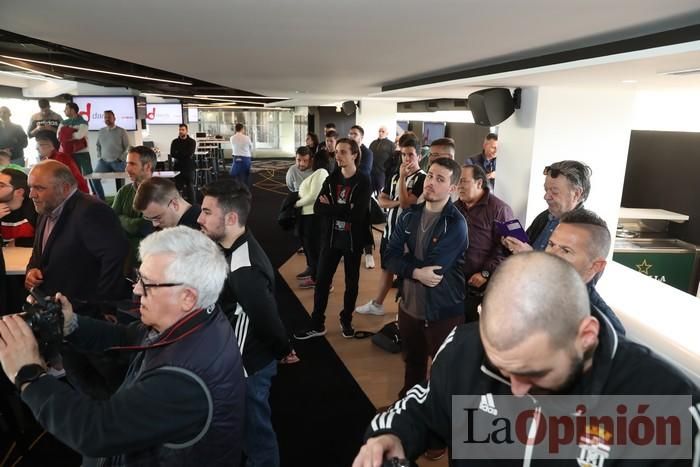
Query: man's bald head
(58, 171)
(531, 293)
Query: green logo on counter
(644, 267)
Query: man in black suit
(79, 250)
(79, 247)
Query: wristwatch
(485, 274)
(28, 374)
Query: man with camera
(177, 404)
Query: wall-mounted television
(163, 114)
(92, 109)
(433, 131)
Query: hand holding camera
(35, 335)
(18, 346)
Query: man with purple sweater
(480, 208)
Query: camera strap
(190, 324)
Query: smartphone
(512, 228)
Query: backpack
(388, 338)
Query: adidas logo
(487, 404)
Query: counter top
(652, 214)
(656, 315)
(658, 245)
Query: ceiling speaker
(491, 106)
(349, 107)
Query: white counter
(656, 315)
(652, 214)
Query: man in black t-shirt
(182, 151)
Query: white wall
(591, 126)
(515, 142)
(372, 114)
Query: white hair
(197, 261)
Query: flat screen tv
(433, 131)
(163, 114)
(92, 109)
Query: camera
(45, 319)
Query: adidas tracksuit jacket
(620, 367)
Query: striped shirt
(414, 185)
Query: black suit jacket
(85, 253)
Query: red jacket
(67, 160)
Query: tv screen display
(92, 109)
(433, 131)
(163, 114)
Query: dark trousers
(260, 442)
(472, 300)
(309, 231)
(185, 182)
(421, 339)
(327, 265)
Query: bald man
(532, 339)
(382, 148)
(79, 246)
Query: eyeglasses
(158, 217)
(6, 185)
(138, 279)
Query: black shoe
(305, 274)
(346, 330)
(309, 333)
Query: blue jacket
(449, 242)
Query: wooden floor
(379, 373)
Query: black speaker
(349, 107)
(491, 106)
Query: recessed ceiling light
(148, 78)
(629, 81)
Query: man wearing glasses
(566, 187)
(177, 404)
(161, 204)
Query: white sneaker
(370, 308)
(369, 262)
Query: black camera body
(45, 319)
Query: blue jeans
(241, 169)
(260, 441)
(109, 166)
